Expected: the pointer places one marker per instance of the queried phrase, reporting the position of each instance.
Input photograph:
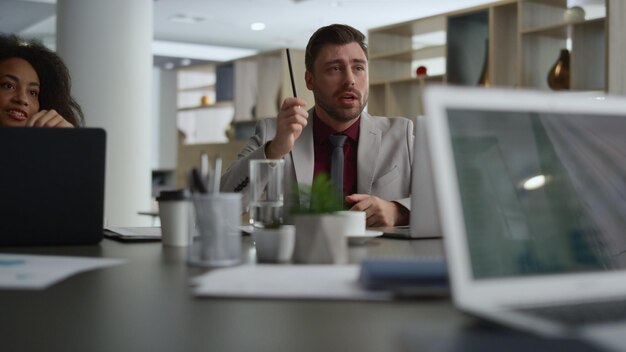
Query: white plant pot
(320, 239)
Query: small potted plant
(319, 230)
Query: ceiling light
(169, 65)
(182, 18)
(185, 62)
(257, 26)
(199, 52)
(335, 4)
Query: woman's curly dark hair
(54, 77)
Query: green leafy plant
(319, 198)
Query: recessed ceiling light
(182, 18)
(185, 62)
(199, 52)
(169, 65)
(257, 26)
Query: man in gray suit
(378, 151)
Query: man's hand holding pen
(291, 120)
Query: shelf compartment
(220, 104)
(415, 54)
(503, 46)
(541, 13)
(559, 30)
(399, 37)
(467, 37)
(434, 78)
(539, 53)
(376, 104)
(405, 98)
(588, 61)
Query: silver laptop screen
(541, 193)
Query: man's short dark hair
(339, 34)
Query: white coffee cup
(355, 222)
(176, 217)
(274, 245)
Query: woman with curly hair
(35, 86)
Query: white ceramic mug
(355, 222)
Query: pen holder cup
(217, 242)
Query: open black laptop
(51, 185)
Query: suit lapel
(370, 139)
(302, 154)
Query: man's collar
(321, 131)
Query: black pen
(293, 84)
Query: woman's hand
(47, 118)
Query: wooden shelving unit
(395, 53)
(519, 39)
(262, 82)
(201, 123)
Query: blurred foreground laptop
(51, 185)
(531, 190)
(424, 222)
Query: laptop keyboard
(581, 313)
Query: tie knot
(337, 140)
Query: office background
(123, 57)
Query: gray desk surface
(146, 305)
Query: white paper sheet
(336, 282)
(36, 272)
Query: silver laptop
(531, 188)
(424, 221)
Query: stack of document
(334, 282)
(374, 279)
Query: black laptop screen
(541, 193)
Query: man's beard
(336, 114)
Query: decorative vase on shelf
(558, 77)
(484, 75)
(421, 71)
(574, 14)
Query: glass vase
(558, 76)
(484, 75)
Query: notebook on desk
(51, 185)
(531, 189)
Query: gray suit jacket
(385, 159)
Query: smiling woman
(34, 86)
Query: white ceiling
(289, 23)
(226, 23)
